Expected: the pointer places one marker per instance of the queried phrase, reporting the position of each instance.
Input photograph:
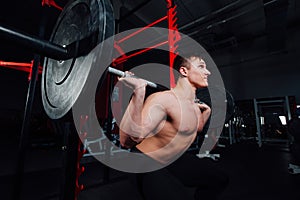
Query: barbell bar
(49, 49)
(123, 74)
(34, 43)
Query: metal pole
(257, 123)
(201, 19)
(23, 144)
(232, 132)
(288, 109)
(69, 162)
(24, 136)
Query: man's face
(198, 73)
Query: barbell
(81, 26)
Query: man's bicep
(154, 113)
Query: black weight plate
(63, 81)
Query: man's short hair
(182, 60)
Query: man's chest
(184, 116)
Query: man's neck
(184, 89)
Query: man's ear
(183, 71)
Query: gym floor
(255, 174)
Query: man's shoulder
(162, 96)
